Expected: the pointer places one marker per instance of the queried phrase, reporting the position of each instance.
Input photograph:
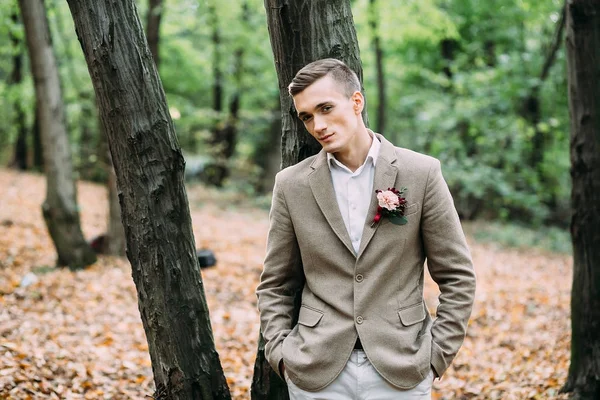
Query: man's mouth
(324, 138)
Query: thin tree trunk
(221, 146)
(155, 210)
(90, 152)
(60, 206)
(155, 12)
(267, 153)
(583, 51)
(448, 49)
(86, 162)
(38, 152)
(16, 77)
(115, 234)
(225, 138)
(531, 108)
(302, 31)
(489, 49)
(378, 49)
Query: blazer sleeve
(450, 266)
(281, 279)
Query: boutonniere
(391, 204)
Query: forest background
(480, 86)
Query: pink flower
(388, 199)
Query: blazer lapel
(322, 188)
(385, 177)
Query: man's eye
(327, 108)
(305, 118)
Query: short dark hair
(316, 70)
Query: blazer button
(359, 320)
(359, 278)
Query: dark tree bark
(583, 52)
(379, 61)
(16, 77)
(155, 210)
(155, 13)
(60, 206)
(302, 31)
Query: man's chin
(330, 148)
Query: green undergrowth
(509, 235)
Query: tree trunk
(531, 108)
(583, 51)
(448, 49)
(90, 144)
(115, 234)
(38, 153)
(20, 156)
(377, 48)
(225, 137)
(267, 153)
(155, 12)
(60, 206)
(149, 166)
(222, 140)
(302, 31)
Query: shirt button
(359, 320)
(359, 278)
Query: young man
(357, 256)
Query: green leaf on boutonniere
(398, 220)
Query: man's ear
(359, 101)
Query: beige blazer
(377, 294)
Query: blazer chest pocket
(411, 209)
(412, 314)
(309, 316)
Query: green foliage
(473, 120)
(469, 115)
(521, 237)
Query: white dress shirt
(354, 191)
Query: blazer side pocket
(412, 314)
(309, 316)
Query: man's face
(329, 115)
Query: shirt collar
(373, 153)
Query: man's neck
(355, 155)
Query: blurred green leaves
(464, 105)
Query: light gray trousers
(360, 381)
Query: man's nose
(320, 124)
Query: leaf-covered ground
(78, 335)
